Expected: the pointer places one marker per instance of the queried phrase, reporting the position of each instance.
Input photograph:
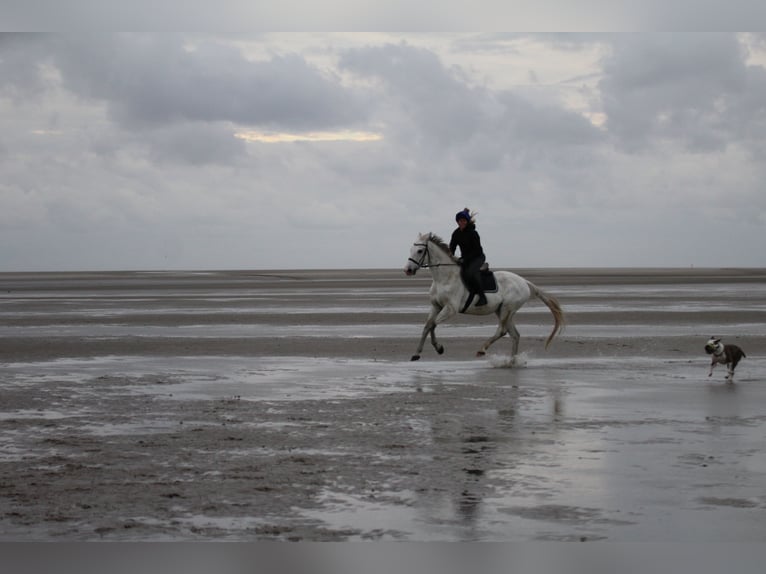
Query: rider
(472, 255)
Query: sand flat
(282, 405)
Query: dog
(729, 355)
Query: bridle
(422, 264)
(426, 254)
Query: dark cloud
(692, 88)
(695, 15)
(21, 56)
(195, 144)
(546, 125)
(163, 78)
(438, 110)
(746, 109)
(181, 95)
(442, 107)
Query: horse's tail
(552, 303)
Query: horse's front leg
(427, 328)
(438, 315)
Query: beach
(283, 405)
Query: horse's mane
(441, 244)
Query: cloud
(194, 143)
(434, 109)
(443, 108)
(185, 97)
(157, 79)
(21, 56)
(148, 150)
(695, 89)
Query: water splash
(508, 361)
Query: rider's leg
(474, 280)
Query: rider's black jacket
(469, 242)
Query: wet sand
(282, 405)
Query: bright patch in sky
(281, 137)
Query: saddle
(488, 283)
(487, 277)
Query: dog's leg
(712, 366)
(734, 354)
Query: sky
(170, 150)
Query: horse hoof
(480, 353)
(440, 350)
(415, 357)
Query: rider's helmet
(464, 214)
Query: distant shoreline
(279, 271)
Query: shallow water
(621, 449)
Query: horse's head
(419, 255)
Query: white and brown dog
(729, 355)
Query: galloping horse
(449, 295)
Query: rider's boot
(482, 299)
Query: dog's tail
(552, 303)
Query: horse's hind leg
(499, 333)
(515, 337)
(508, 327)
(502, 329)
